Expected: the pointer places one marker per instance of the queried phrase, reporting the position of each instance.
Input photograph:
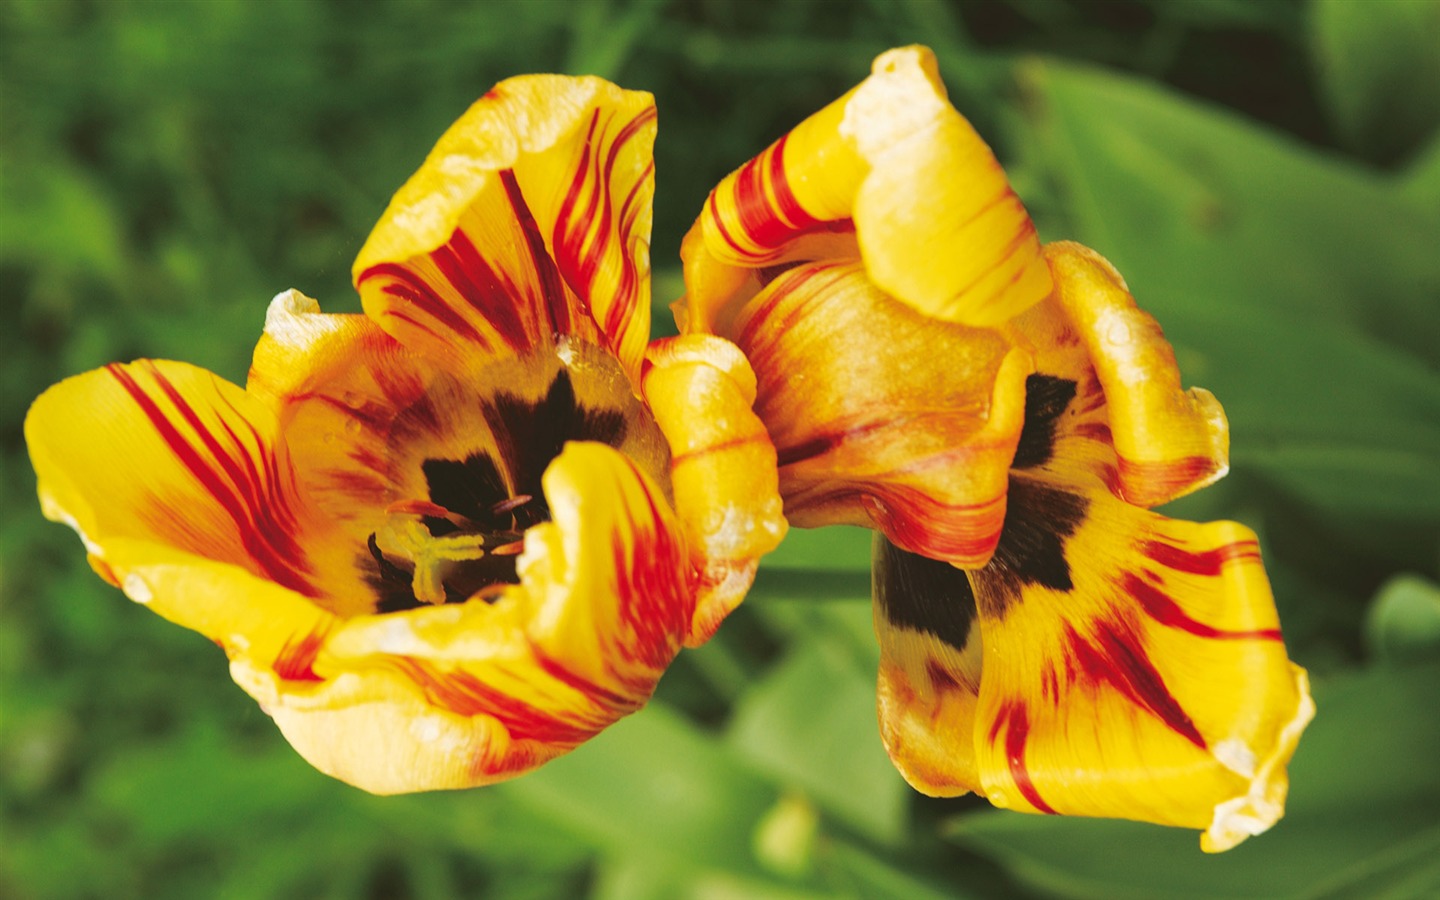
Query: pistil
(434, 558)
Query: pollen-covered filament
(406, 536)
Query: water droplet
(1118, 332)
(136, 589)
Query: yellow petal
(530, 218)
(1133, 664)
(700, 389)
(1169, 441)
(892, 162)
(169, 454)
(881, 416)
(1133, 667)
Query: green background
(1266, 175)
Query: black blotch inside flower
(1046, 398)
(529, 434)
(1038, 520)
(471, 488)
(922, 594)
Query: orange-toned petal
(881, 416)
(530, 218)
(303, 350)
(168, 454)
(929, 684)
(936, 222)
(467, 694)
(389, 437)
(1169, 441)
(722, 467)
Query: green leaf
(1365, 443)
(1403, 624)
(817, 564)
(656, 785)
(1378, 64)
(1363, 816)
(1201, 210)
(810, 725)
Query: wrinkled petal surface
(530, 218)
(1169, 441)
(883, 417)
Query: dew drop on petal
(136, 589)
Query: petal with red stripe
(890, 168)
(882, 416)
(466, 694)
(1168, 441)
(530, 219)
(722, 466)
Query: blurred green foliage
(1267, 175)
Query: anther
(508, 505)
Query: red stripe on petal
(1163, 609)
(720, 226)
(655, 605)
(405, 285)
(466, 695)
(552, 287)
(490, 292)
(1014, 719)
(296, 661)
(600, 695)
(1095, 431)
(1208, 563)
(788, 205)
(262, 521)
(1148, 483)
(731, 444)
(1116, 658)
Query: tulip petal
(171, 455)
(873, 430)
(929, 683)
(468, 694)
(722, 466)
(1133, 664)
(1133, 668)
(936, 222)
(1169, 441)
(530, 219)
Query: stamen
(428, 509)
(436, 558)
(513, 503)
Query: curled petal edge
(700, 389)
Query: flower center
(415, 533)
(463, 459)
